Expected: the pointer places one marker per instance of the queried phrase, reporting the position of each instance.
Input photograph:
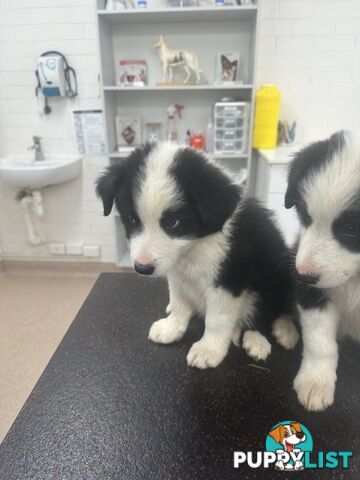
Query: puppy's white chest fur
(195, 272)
(192, 290)
(194, 275)
(347, 301)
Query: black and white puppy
(222, 254)
(324, 186)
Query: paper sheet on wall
(89, 131)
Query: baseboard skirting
(56, 268)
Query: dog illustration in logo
(288, 435)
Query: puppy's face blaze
(168, 197)
(324, 187)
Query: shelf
(171, 15)
(123, 155)
(231, 156)
(179, 88)
(205, 31)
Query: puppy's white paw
(315, 388)
(168, 309)
(285, 333)
(165, 330)
(205, 354)
(256, 345)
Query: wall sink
(22, 171)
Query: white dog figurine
(175, 58)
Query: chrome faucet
(37, 147)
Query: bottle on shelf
(171, 130)
(142, 3)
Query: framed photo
(227, 67)
(128, 132)
(152, 132)
(132, 73)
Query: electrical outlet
(91, 251)
(74, 249)
(57, 248)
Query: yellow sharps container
(267, 109)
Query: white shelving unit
(130, 34)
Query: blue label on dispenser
(51, 92)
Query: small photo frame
(153, 132)
(132, 73)
(128, 132)
(227, 67)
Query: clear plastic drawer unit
(231, 121)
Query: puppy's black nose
(308, 278)
(144, 269)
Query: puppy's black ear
(109, 184)
(209, 190)
(216, 201)
(310, 159)
(290, 196)
(294, 175)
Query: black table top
(112, 405)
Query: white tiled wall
(72, 212)
(310, 48)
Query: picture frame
(227, 67)
(132, 73)
(153, 132)
(128, 132)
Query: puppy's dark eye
(132, 219)
(286, 433)
(352, 229)
(170, 221)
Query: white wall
(28, 28)
(310, 48)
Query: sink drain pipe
(32, 201)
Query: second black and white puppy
(221, 252)
(324, 186)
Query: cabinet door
(278, 179)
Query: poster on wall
(89, 131)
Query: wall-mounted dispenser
(55, 78)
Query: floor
(36, 309)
